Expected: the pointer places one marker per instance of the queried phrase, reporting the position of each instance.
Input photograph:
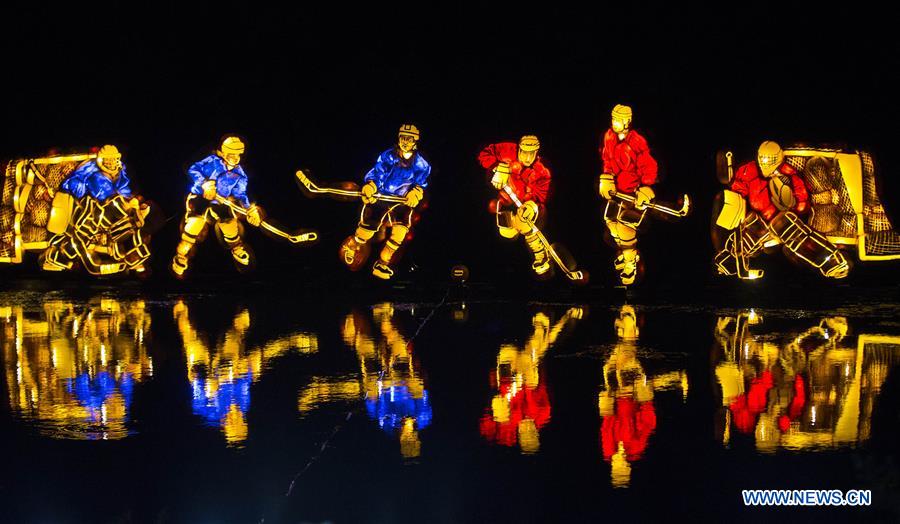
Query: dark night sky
(325, 89)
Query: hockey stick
(682, 212)
(572, 275)
(313, 188)
(294, 239)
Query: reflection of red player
(521, 407)
(519, 167)
(747, 407)
(626, 401)
(527, 412)
(777, 198)
(627, 429)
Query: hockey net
(28, 189)
(833, 214)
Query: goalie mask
(109, 160)
(528, 149)
(770, 156)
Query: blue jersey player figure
(218, 187)
(402, 172)
(97, 220)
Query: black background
(325, 88)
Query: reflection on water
(389, 380)
(221, 373)
(71, 368)
(626, 400)
(803, 390)
(521, 407)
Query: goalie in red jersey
(777, 199)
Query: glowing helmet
(231, 150)
(528, 149)
(408, 137)
(109, 160)
(769, 156)
(621, 118)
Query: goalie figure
(400, 171)
(518, 168)
(96, 219)
(218, 184)
(777, 198)
(628, 168)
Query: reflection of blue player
(94, 394)
(213, 407)
(402, 409)
(396, 403)
(399, 171)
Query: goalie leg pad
(60, 213)
(813, 248)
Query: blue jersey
(229, 183)
(88, 179)
(395, 176)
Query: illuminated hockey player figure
(521, 406)
(390, 380)
(777, 199)
(222, 367)
(218, 189)
(72, 367)
(626, 400)
(795, 388)
(400, 172)
(519, 168)
(628, 169)
(97, 220)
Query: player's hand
(414, 196)
(368, 193)
(501, 175)
(253, 215)
(643, 196)
(528, 212)
(607, 186)
(209, 189)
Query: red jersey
(527, 403)
(746, 407)
(527, 182)
(628, 160)
(631, 423)
(749, 182)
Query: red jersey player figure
(519, 168)
(629, 169)
(777, 198)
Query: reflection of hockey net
(845, 203)
(28, 189)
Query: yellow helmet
(621, 118)
(770, 156)
(529, 143)
(109, 160)
(232, 145)
(409, 130)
